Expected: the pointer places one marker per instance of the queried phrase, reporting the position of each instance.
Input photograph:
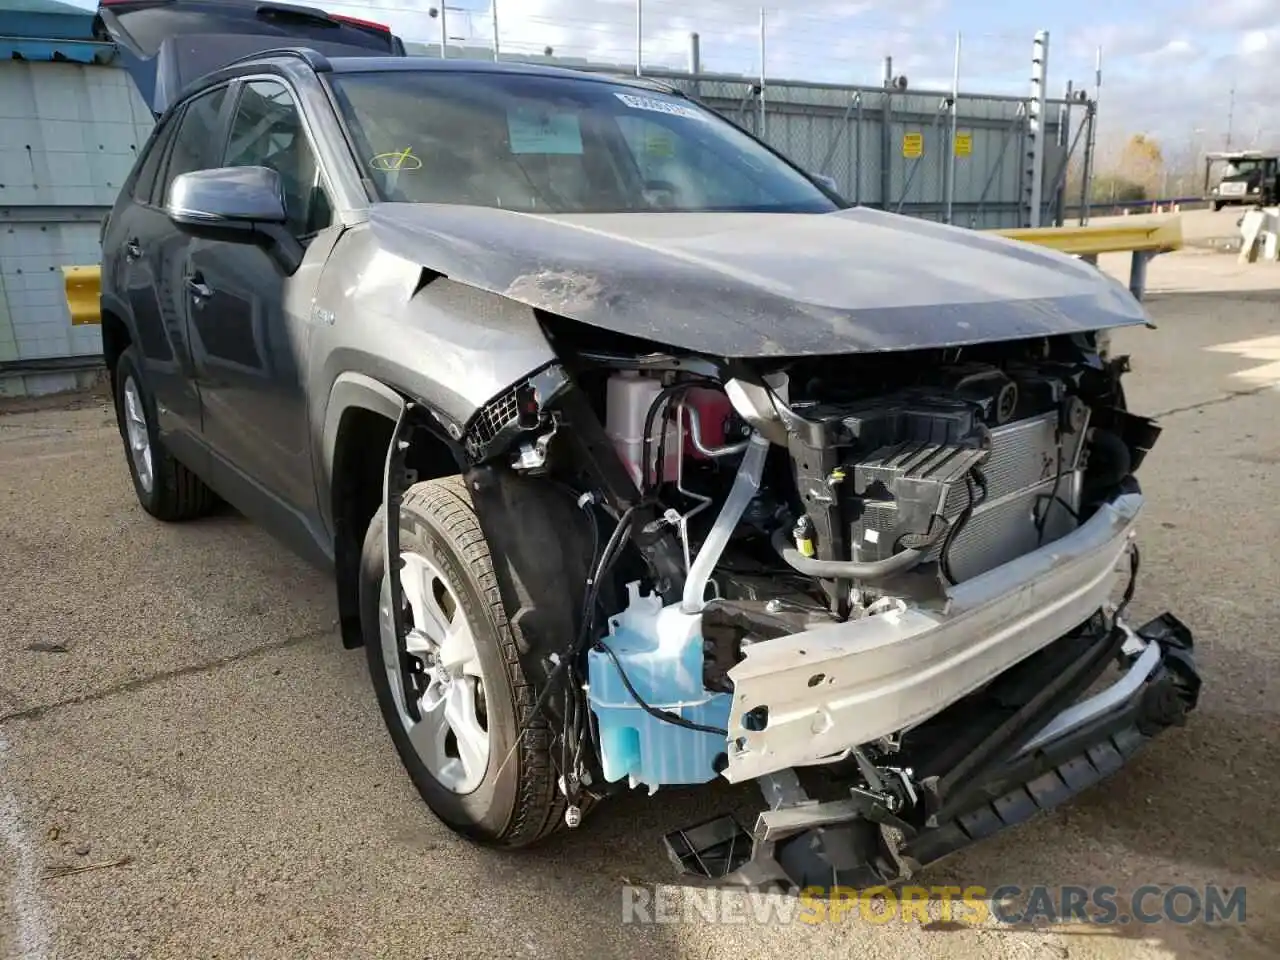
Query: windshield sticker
(545, 132)
(396, 160)
(659, 145)
(660, 106)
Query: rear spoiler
(165, 45)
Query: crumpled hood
(763, 284)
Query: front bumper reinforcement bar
(800, 842)
(856, 682)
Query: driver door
(251, 323)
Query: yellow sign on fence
(912, 145)
(964, 144)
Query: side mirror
(227, 203)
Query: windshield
(544, 144)
(1239, 168)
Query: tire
(511, 800)
(166, 489)
(1216, 206)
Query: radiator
(1021, 472)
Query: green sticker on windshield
(659, 145)
(544, 131)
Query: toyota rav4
(639, 458)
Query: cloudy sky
(1168, 65)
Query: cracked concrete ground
(174, 700)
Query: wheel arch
(117, 335)
(359, 422)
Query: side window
(190, 145)
(267, 131)
(145, 183)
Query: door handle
(132, 250)
(200, 291)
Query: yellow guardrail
(1150, 234)
(1145, 235)
(84, 293)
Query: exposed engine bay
(819, 563)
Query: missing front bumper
(827, 689)
(801, 842)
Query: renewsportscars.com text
(976, 905)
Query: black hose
(843, 569)
(944, 555)
(659, 402)
(1135, 561)
(593, 588)
(664, 715)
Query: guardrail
(1144, 237)
(83, 286)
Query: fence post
(886, 137)
(444, 32)
(1091, 141)
(497, 45)
(1033, 188)
(857, 153)
(1086, 178)
(639, 38)
(949, 171)
(695, 63)
(1064, 141)
(762, 125)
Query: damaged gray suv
(685, 469)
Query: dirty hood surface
(763, 284)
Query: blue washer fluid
(660, 648)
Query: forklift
(1249, 177)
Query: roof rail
(313, 58)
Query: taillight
(357, 22)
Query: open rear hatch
(166, 44)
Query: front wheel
(457, 700)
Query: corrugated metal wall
(68, 137)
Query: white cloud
(1254, 42)
(1177, 48)
(1238, 14)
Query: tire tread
(540, 807)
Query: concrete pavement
(177, 713)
